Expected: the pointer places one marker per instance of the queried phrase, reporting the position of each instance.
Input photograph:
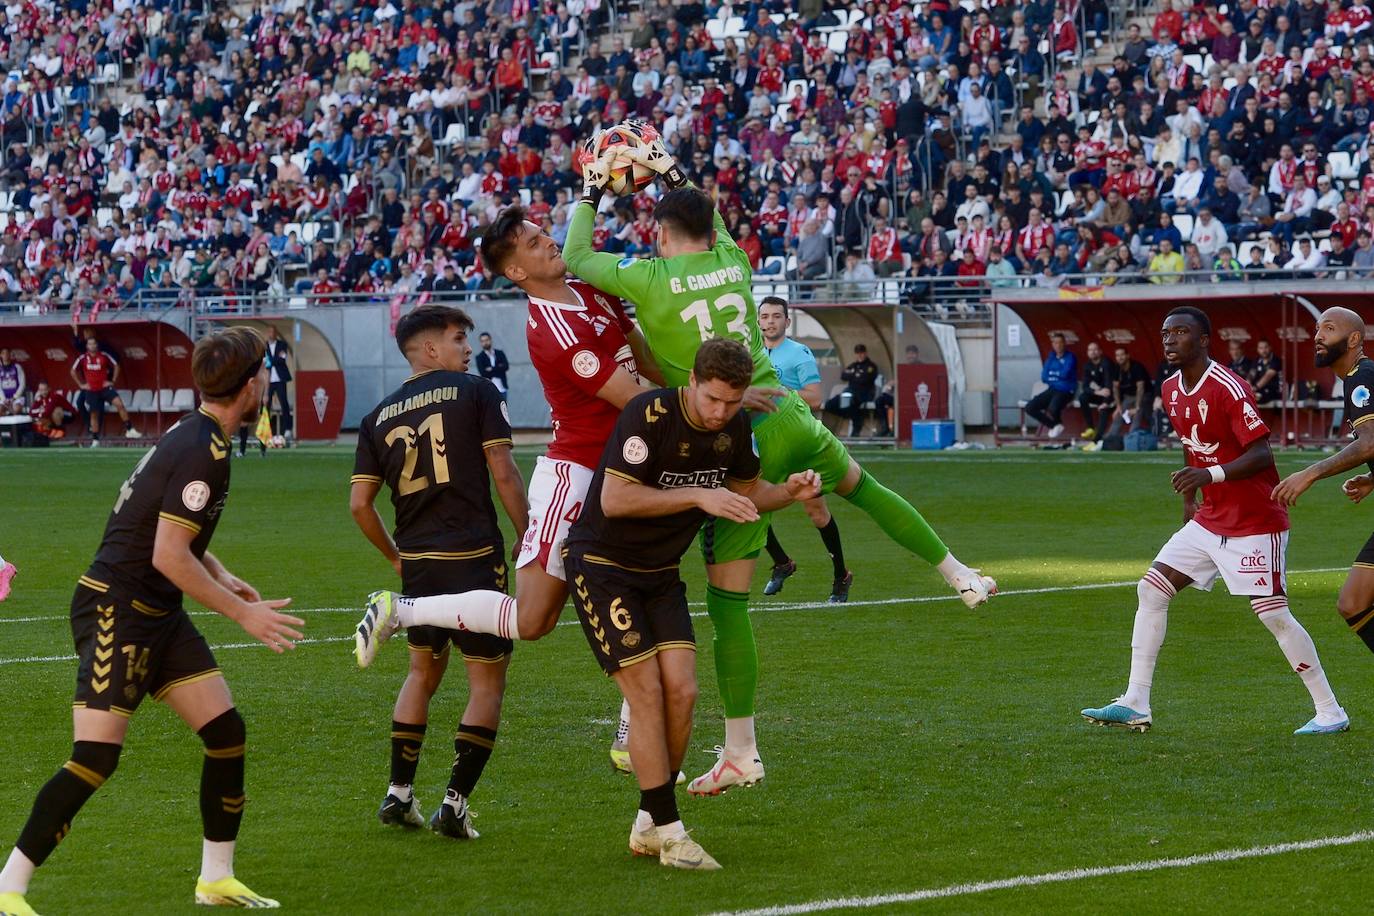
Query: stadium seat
(183, 400)
(793, 86)
(734, 28)
(837, 41)
(166, 398)
(716, 29)
(1243, 252)
(455, 133)
(1343, 166)
(525, 197)
(1194, 61)
(125, 395)
(309, 232)
(1184, 224)
(142, 401)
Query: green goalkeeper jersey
(682, 300)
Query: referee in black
(677, 456)
(134, 638)
(438, 442)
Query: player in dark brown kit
(134, 638)
(1339, 343)
(435, 442)
(677, 457)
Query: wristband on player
(674, 177)
(1218, 473)
(591, 194)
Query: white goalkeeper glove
(596, 169)
(653, 155)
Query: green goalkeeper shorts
(788, 441)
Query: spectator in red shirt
(969, 269)
(1168, 25)
(884, 250)
(49, 412)
(510, 80)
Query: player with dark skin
(1185, 348)
(1339, 343)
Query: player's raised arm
(628, 278)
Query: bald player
(1340, 345)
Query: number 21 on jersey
(433, 426)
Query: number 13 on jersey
(729, 307)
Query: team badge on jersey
(1360, 396)
(722, 444)
(1202, 409)
(635, 450)
(586, 363)
(195, 495)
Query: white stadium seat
(184, 400)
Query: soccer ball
(278, 442)
(629, 177)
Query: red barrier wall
(1280, 318)
(152, 355)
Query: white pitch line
(33, 659)
(758, 608)
(1054, 877)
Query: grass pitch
(910, 744)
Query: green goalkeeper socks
(898, 518)
(736, 655)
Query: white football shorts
(1252, 565)
(557, 491)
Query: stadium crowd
(155, 149)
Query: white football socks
(1298, 648)
(643, 822)
(1151, 620)
(478, 611)
(17, 873)
(622, 731)
(401, 793)
(216, 860)
(739, 737)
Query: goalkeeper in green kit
(701, 287)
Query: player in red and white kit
(95, 373)
(1238, 532)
